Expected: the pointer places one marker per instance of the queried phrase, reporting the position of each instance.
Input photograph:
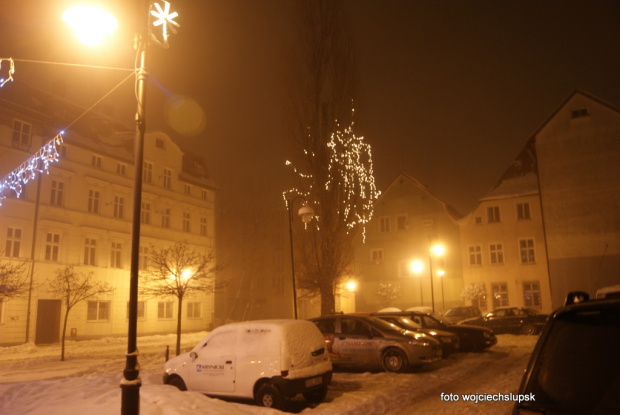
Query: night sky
(449, 91)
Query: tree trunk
(328, 302)
(64, 332)
(179, 315)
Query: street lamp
(441, 273)
(416, 267)
(437, 250)
(83, 20)
(306, 213)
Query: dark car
(455, 314)
(471, 338)
(515, 320)
(575, 365)
(355, 341)
(449, 341)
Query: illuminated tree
(13, 279)
(75, 287)
(333, 167)
(178, 271)
(388, 293)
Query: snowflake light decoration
(165, 19)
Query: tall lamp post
(83, 20)
(436, 250)
(306, 213)
(416, 267)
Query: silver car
(370, 343)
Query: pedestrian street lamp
(306, 213)
(84, 20)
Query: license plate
(314, 381)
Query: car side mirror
(193, 355)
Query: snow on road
(33, 381)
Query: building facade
(79, 213)
(396, 263)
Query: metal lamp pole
(306, 213)
(130, 384)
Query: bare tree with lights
(388, 293)
(333, 166)
(74, 287)
(178, 271)
(13, 279)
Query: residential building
(79, 213)
(395, 261)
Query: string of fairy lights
(350, 171)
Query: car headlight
(420, 340)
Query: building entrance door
(48, 321)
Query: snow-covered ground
(34, 381)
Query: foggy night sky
(449, 91)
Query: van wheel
(316, 395)
(269, 396)
(528, 329)
(395, 360)
(177, 382)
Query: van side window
(352, 326)
(326, 326)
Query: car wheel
(269, 396)
(316, 395)
(177, 382)
(528, 329)
(394, 360)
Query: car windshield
(385, 326)
(453, 312)
(579, 365)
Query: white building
(80, 214)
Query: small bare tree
(388, 293)
(74, 287)
(13, 279)
(475, 292)
(178, 271)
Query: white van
(268, 361)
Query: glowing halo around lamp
(90, 24)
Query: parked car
(516, 320)
(575, 365)
(449, 341)
(356, 341)
(471, 338)
(268, 361)
(455, 314)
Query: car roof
(612, 304)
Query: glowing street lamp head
(438, 250)
(351, 286)
(90, 24)
(416, 266)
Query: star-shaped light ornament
(165, 19)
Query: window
(143, 258)
(526, 251)
(203, 226)
(187, 189)
(475, 255)
(186, 222)
(57, 193)
(523, 211)
(90, 251)
(203, 194)
(167, 178)
(531, 294)
(159, 143)
(165, 218)
(95, 161)
(147, 173)
(376, 255)
(480, 301)
(22, 132)
(116, 255)
(496, 252)
(141, 310)
(98, 311)
(13, 242)
(145, 213)
(193, 310)
(119, 207)
(499, 291)
(401, 223)
(384, 224)
(493, 214)
(164, 309)
(478, 220)
(583, 112)
(93, 201)
(121, 169)
(52, 246)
